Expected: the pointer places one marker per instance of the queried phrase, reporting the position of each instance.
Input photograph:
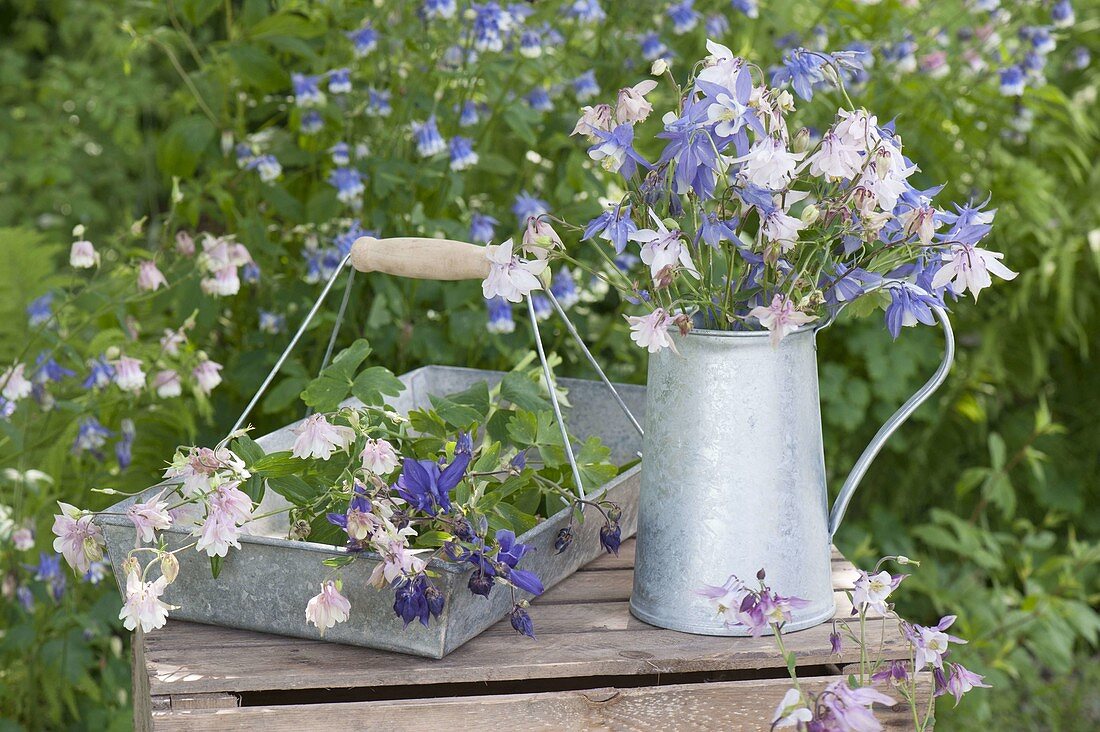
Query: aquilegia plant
(848, 703)
(404, 490)
(741, 223)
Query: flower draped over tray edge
(438, 483)
(742, 225)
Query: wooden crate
(593, 666)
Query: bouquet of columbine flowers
(743, 224)
(459, 480)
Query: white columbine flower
(16, 386)
(857, 129)
(662, 248)
(870, 591)
(509, 276)
(727, 114)
(769, 164)
(780, 317)
(834, 159)
(781, 227)
(327, 608)
(206, 375)
(651, 331)
(967, 267)
(539, 238)
(167, 384)
(128, 374)
(83, 255)
(79, 540)
(149, 277)
(149, 517)
(143, 604)
(723, 68)
(379, 457)
(319, 439)
(592, 119)
(792, 711)
(632, 106)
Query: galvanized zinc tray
(266, 584)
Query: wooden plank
(143, 719)
(729, 705)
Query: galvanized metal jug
(733, 475)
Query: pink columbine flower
(379, 457)
(792, 711)
(167, 384)
(143, 604)
(967, 267)
(397, 561)
(171, 341)
(962, 680)
(206, 375)
(149, 277)
(509, 276)
(725, 597)
(195, 468)
(327, 608)
(83, 255)
(871, 591)
(128, 374)
(149, 517)
(319, 439)
(849, 708)
(651, 331)
(632, 106)
(594, 119)
(224, 283)
(539, 238)
(185, 244)
(228, 510)
(79, 540)
(780, 317)
(23, 539)
(16, 385)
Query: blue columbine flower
(341, 153)
(97, 572)
(586, 11)
(364, 40)
(490, 22)
(481, 228)
(416, 599)
(626, 262)
(693, 151)
(717, 25)
(124, 446)
(469, 115)
(49, 571)
(1081, 58)
(306, 91)
(90, 436)
(500, 316)
(348, 183)
(527, 206)
(509, 553)
(585, 86)
(611, 537)
(803, 69)
(462, 153)
(564, 288)
(25, 597)
(530, 44)
(267, 166)
(271, 323)
(539, 100)
(846, 284)
(652, 47)
(428, 140)
(713, 230)
(250, 273)
(48, 369)
(615, 225)
(39, 310)
(543, 309)
(1061, 14)
(378, 103)
(684, 16)
(321, 263)
(339, 81)
(311, 123)
(750, 8)
(909, 305)
(7, 408)
(1041, 39)
(428, 488)
(100, 374)
(438, 9)
(1013, 81)
(616, 151)
(344, 241)
(521, 621)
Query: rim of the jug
(808, 327)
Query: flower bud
(761, 574)
(92, 549)
(131, 566)
(810, 214)
(564, 540)
(659, 67)
(614, 513)
(169, 567)
(801, 141)
(299, 530)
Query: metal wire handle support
(549, 377)
(592, 360)
(294, 341)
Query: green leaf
(285, 24)
(216, 566)
(592, 461)
(277, 464)
(334, 384)
(515, 118)
(255, 487)
(465, 408)
(197, 11)
(523, 392)
(181, 146)
(488, 460)
(374, 383)
(284, 394)
(294, 489)
(248, 450)
(257, 68)
(523, 428)
(517, 520)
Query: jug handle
(896, 420)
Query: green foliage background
(107, 107)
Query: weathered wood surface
(196, 674)
(731, 706)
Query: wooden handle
(422, 259)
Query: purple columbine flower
(909, 305)
(416, 599)
(378, 103)
(348, 183)
(530, 44)
(521, 622)
(339, 81)
(428, 140)
(345, 240)
(539, 100)
(125, 445)
(438, 9)
(614, 225)
(611, 537)
(26, 598)
(311, 123)
(684, 16)
(90, 436)
(500, 316)
(462, 153)
(586, 11)
(49, 572)
(585, 86)
(806, 69)
(1013, 81)
(490, 22)
(564, 288)
(895, 672)
(962, 680)
(271, 322)
(692, 151)
(469, 116)
(364, 40)
(616, 151)
(48, 369)
(712, 230)
(39, 310)
(307, 93)
(481, 228)
(1061, 14)
(527, 206)
(341, 153)
(564, 539)
(428, 488)
(100, 374)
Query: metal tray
(266, 584)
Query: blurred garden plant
(290, 127)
